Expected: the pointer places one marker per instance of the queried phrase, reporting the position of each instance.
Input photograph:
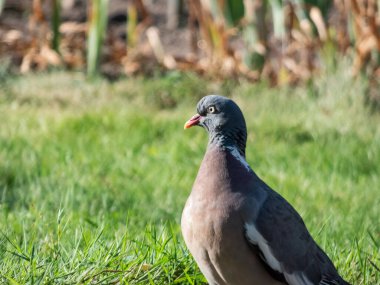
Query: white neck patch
(235, 153)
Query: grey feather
(238, 229)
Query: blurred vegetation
(283, 42)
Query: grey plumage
(238, 229)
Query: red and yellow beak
(194, 120)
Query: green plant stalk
(132, 26)
(301, 14)
(215, 34)
(1, 5)
(215, 9)
(351, 26)
(278, 18)
(216, 39)
(252, 59)
(98, 22)
(233, 11)
(254, 33)
(56, 21)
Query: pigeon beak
(194, 121)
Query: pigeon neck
(234, 140)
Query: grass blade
(98, 23)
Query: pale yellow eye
(211, 109)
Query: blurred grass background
(94, 174)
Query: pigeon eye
(211, 110)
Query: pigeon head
(223, 120)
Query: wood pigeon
(238, 229)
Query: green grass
(94, 175)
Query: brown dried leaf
(316, 16)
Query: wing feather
(286, 245)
